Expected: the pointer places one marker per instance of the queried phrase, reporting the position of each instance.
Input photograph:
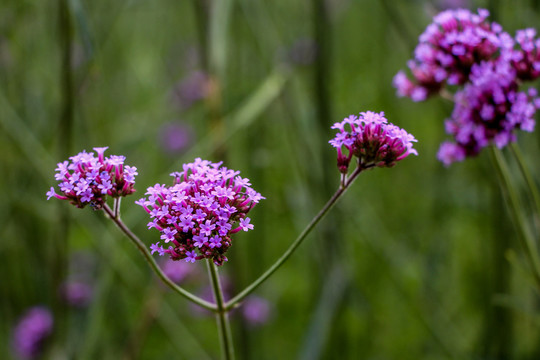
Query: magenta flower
(32, 330)
(76, 293)
(177, 271)
(202, 209)
(176, 137)
(526, 59)
(488, 110)
(372, 140)
(447, 50)
(87, 180)
(194, 87)
(256, 310)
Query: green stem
(512, 199)
(224, 328)
(155, 267)
(249, 289)
(529, 180)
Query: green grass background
(416, 262)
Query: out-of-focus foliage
(416, 262)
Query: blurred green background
(416, 262)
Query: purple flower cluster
(464, 49)
(373, 140)
(447, 50)
(194, 87)
(87, 179)
(488, 110)
(197, 215)
(31, 332)
(76, 293)
(526, 58)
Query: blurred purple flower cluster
(197, 215)
(30, 333)
(255, 310)
(447, 50)
(371, 139)
(487, 110)
(76, 293)
(192, 88)
(87, 179)
(176, 137)
(486, 67)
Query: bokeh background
(415, 262)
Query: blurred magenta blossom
(76, 293)
(175, 137)
(256, 310)
(488, 110)
(177, 271)
(192, 88)
(447, 50)
(32, 330)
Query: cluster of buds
(88, 180)
(372, 140)
(197, 215)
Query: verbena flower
(197, 215)
(76, 293)
(177, 271)
(372, 140)
(488, 110)
(88, 180)
(256, 310)
(31, 332)
(176, 137)
(447, 50)
(526, 58)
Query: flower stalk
(533, 190)
(511, 197)
(222, 318)
(155, 267)
(345, 184)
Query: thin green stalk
(512, 199)
(529, 180)
(65, 137)
(250, 288)
(224, 328)
(155, 267)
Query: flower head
(197, 215)
(31, 332)
(88, 179)
(447, 50)
(526, 58)
(371, 139)
(76, 293)
(256, 310)
(488, 110)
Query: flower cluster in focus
(32, 330)
(197, 215)
(487, 67)
(87, 179)
(447, 50)
(371, 139)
